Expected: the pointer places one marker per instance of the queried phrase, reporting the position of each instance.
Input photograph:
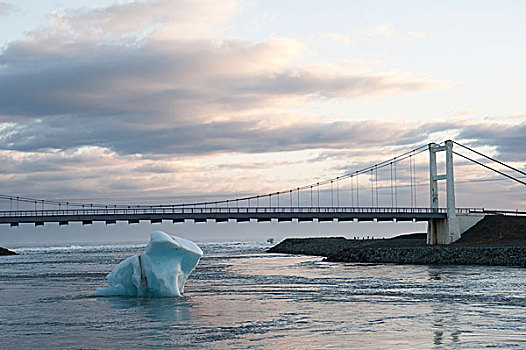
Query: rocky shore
(4, 251)
(496, 240)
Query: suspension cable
(357, 191)
(337, 192)
(392, 191)
(490, 158)
(227, 201)
(396, 189)
(318, 186)
(298, 197)
(352, 192)
(490, 168)
(376, 184)
(332, 195)
(414, 181)
(372, 189)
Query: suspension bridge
(338, 199)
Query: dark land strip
(496, 240)
(4, 251)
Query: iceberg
(160, 271)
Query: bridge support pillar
(442, 231)
(438, 229)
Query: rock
(434, 255)
(4, 251)
(311, 246)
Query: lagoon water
(240, 297)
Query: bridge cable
(392, 192)
(318, 186)
(372, 189)
(414, 182)
(298, 197)
(410, 183)
(412, 174)
(376, 183)
(396, 189)
(337, 192)
(227, 202)
(356, 173)
(352, 192)
(332, 195)
(490, 168)
(490, 158)
(357, 191)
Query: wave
(76, 248)
(69, 247)
(235, 243)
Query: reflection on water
(435, 275)
(240, 297)
(164, 309)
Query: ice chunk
(160, 271)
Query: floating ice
(160, 271)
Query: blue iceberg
(160, 271)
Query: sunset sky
(170, 101)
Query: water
(240, 297)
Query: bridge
(333, 200)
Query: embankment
(496, 240)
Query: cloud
(229, 157)
(108, 78)
(153, 79)
(132, 21)
(5, 7)
(379, 32)
(197, 77)
(336, 37)
(144, 96)
(509, 139)
(197, 139)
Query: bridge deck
(221, 214)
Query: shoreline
(494, 241)
(339, 249)
(4, 251)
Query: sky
(177, 101)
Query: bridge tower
(441, 231)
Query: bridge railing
(224, 210)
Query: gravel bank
(496, 240)
(435, 255)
